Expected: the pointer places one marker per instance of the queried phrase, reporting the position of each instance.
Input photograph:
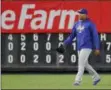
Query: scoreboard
(37, 52)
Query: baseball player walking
(87, 40)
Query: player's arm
(70, 37)
(61, 49)
(95, 38)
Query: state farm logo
(46, 19)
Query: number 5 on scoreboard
(108, 58)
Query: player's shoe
(76, 83)
(96, 82)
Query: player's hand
(61, 49)
(97, 52)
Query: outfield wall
(33, 29)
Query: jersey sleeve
(95, 36)
(70, 37)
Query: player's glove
(61, 49)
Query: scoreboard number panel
(106, 38)
(38, 51)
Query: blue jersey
(86, 34)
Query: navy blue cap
(82, 11)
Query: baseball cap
(82, 11)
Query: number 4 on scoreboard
(10, 37)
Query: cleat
(96, 82)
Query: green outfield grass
(51, 81)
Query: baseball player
(87, 40)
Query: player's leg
(93, 73)
(83, 57)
